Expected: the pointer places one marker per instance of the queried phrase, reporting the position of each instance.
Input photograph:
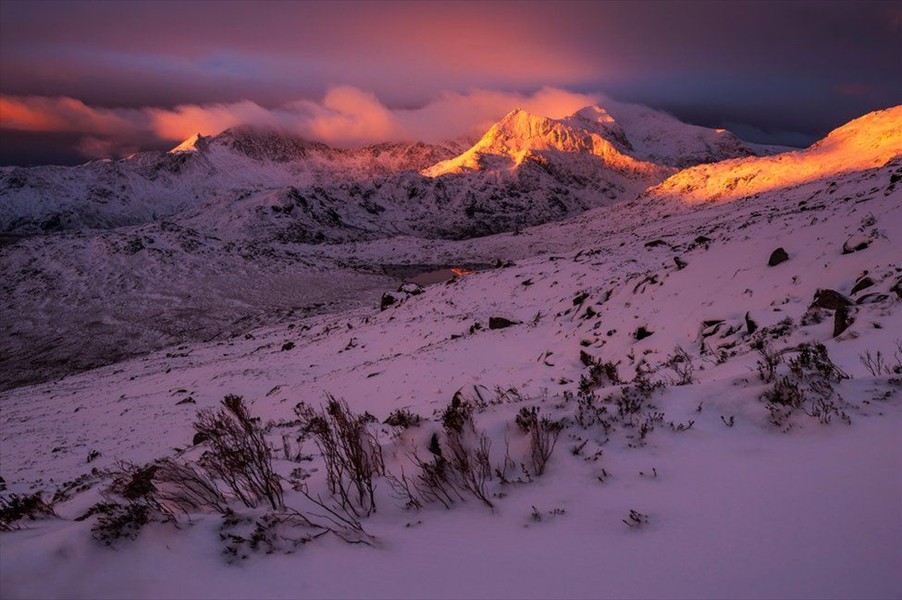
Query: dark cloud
(794, 69)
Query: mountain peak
(521, 137)
(195, 143)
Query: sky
(86, 80)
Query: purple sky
(87, 79)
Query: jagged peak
(520, 136)
(195, 143)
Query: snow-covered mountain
(524, 171)
(723, 377)
(155, 185)
(521, 138)
(869, 142)
(243, 257)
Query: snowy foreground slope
(645, 330)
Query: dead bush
(681, 364)
(238, 453)
(19, 507)
(768, 359)
(352, 454)
(543, 435)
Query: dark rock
(750, 324)
(776, 257)
(411, 289)
(872, 298)
(287, 346)
(702, 240)
(580, 298)
(387, 300)
(656, 243)
(855, 244)
(863, 283)
(501, 322)
(897, 287)
(586, 358)
(199, 438)
(477, 326)
(680, 263)
(643, 333)
(830, 299)
(842, 319)
(188, 400)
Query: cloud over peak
(345, 116)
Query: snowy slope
(733, 506)
(869, 141)
(654, 136)
(154, 185)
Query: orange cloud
(346, 116)
(61, 114)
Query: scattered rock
(776, 257)
(750, 324)
(387, 300)
(411, 289)
(699, 241)
(643, 333)
(287, 346)
(188, 400)
(501, 322)
(842, 319)
(872, 298)
(856, 243)
(680, 263)
(405, 291)
(830, 299)
(199, 438)
(863, 283)
(580, 298)
(656, 243)
(897, 287)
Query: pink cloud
(346, 116)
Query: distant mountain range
(524, 171)
(231, 232)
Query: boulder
(501, 322)
(842, 319)
(776, 257)
(750, 324)
(830, 299)
(861, 284)
(856, 243)
(643, 333)
(387, 300)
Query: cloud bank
(345, 116)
